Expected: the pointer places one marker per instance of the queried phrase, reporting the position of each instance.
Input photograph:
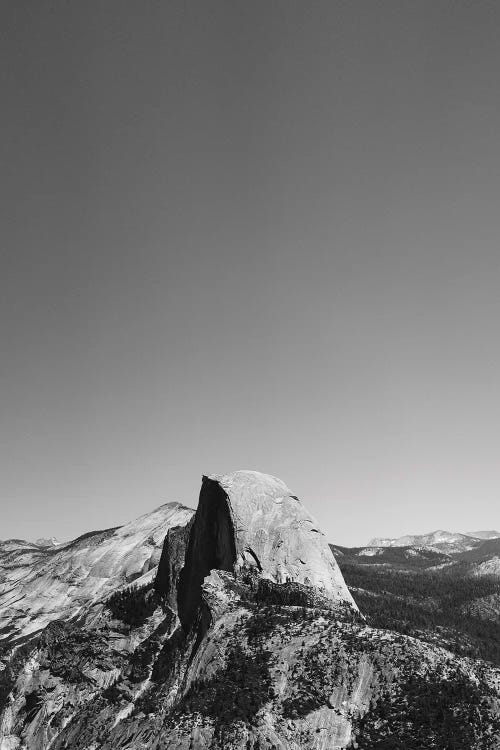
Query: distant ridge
(433, 537)
(52, 542)
(484, 534)
(444, 541)
(412, 540)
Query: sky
(250, 235)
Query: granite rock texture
(40, 583)
(251, 521)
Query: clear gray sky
(259, 235)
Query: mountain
(444, 541)
(266, 529)
(482, 552)
(238, 631)
(40, 583)
(484, 534)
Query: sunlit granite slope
(39, 584)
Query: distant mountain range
(474, 554)
(443, 541)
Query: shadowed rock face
(171, 563)
(211, 546)
(251, 520)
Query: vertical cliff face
(172, 562)
(251, 520)
(211, 546)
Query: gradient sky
(259, 235)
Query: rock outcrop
(249, 520)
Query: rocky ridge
(40, 583)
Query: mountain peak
(251, 520)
